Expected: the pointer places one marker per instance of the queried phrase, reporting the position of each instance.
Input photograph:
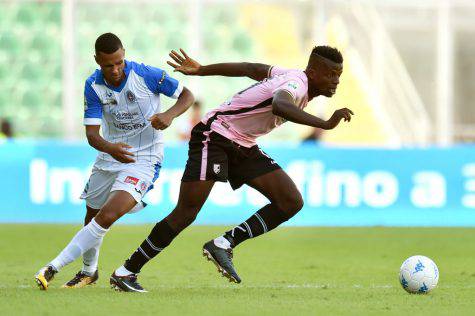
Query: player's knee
(182, 217)
(106, 219)
(190, 217)
(291, 203)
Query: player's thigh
(280, 189)
(118, 203)
(249, 163)
(97, 188)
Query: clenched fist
(161, 120)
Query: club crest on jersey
(131, 180)
(217, 168)
(130, 96)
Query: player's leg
(95, 193)
(89, 272)
(90, 236)
(259, 171)
(285, 202)
(206, 150)
(283, 195)
(191, 198)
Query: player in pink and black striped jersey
(223, 148)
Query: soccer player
(223, 148)
(122, 98)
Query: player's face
(112, 66)
(326, 77)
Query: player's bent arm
(254, 71)
(283, 105)
(183, 103)
(116, 150)
(161, 121)
(95, 139)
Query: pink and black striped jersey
(248, 114)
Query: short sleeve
(92, 106)
(293, 86)
(276, 70)
(159, 82)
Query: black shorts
(212, 156)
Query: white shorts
(136, 178)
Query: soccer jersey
(123, 111)
(248, 114)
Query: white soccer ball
(418, 274)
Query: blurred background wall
(408, 75)
(408, 64)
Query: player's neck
(311, 92)
(115, 84)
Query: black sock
(263, 221)
(160, 237)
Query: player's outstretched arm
(283, 105)
(183, 103)
(117, 150)
(188, 66)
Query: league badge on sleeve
(292, 84)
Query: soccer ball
(418, 274)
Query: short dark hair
(327, 52)
(108, 43)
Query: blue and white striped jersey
(123, 111)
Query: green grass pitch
(291, 271)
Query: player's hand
(338, 115)
(120, 153)
(161, 120)
(184, 64)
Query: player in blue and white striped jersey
(122, 99)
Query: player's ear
(311, 72)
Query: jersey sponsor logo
(129, 127)
(217, 168)
(131, 96)
(119, 116)
(131, 180)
